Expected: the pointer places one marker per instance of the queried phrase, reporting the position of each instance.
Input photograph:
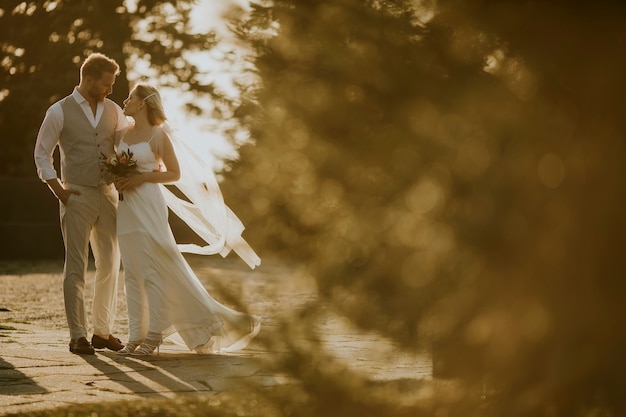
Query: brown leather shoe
(81, 346)
(112, 342)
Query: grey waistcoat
(81, 144)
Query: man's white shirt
(50, 132)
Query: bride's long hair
(152, 98)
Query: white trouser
(90, 218)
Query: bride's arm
(165, 152)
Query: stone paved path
(37, 371)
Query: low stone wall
(29, 221)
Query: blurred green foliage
(453, 174)
(43, 44)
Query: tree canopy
(43, 43)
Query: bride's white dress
(164, 295)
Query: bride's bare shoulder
(160, 132)
(159, 138)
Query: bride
(164, 296)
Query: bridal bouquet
(120, 164)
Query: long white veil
(205, 211)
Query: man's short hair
(96, 64)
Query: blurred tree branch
(452, 174)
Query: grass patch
(13, 320)
(219, 405)
(25, 267)
(283, 401)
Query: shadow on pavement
(178, 372)
(14, 382)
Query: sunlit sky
(207, 15)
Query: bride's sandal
(147, 347)
(129, 348)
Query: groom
(85, 125)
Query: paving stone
(38, 372)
